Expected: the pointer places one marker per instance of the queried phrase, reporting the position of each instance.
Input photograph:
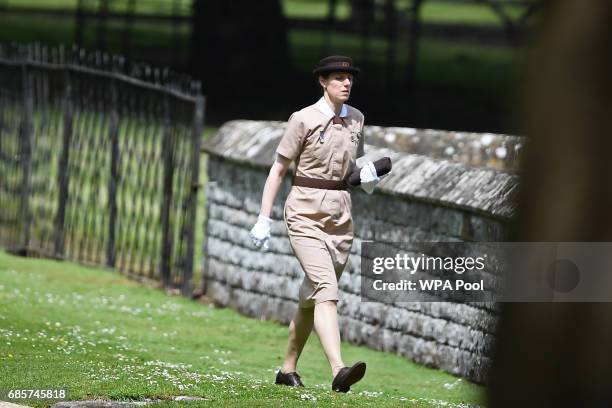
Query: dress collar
(324, 108)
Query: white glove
(260, 233)
(369, 178)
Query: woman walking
(324, 140)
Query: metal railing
(99, 162)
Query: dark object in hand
(382, 166)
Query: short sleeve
(360, 147)
(290, 145)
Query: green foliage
(98, 335)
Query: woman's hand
(260, 233)
(369, 178)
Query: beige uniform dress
(319, 221)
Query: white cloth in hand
(369, 178)
(260, 233)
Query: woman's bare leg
(326, 326)
(299, 330)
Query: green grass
(317, 9)
(471, 13)
(22, 29)
(141, 6)
(98, 335)
(468, 13)
(440, 63)
(464, 13)
(484, 67)
(50, 31)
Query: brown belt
(318, 183)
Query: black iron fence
(99, 162)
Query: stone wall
(424, 198)
(495, 151)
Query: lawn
(432, 11)
(180, 7)
(96, 334)
(489, 70)
(440, 63)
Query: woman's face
(337, 85)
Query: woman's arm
(273, 182)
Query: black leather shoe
(290, 379)
(348, 376)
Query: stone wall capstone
(465, 197)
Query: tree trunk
(558, 354)
(362, 12)
(239, 48)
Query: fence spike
(13, 50)
(100, 60)
(73, 53)
(62, 54)
(45, 53)
(21, 52)
(147, 72)
(114, 63)
(166, 76)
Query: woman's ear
(322, 81)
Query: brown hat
(336, 63)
